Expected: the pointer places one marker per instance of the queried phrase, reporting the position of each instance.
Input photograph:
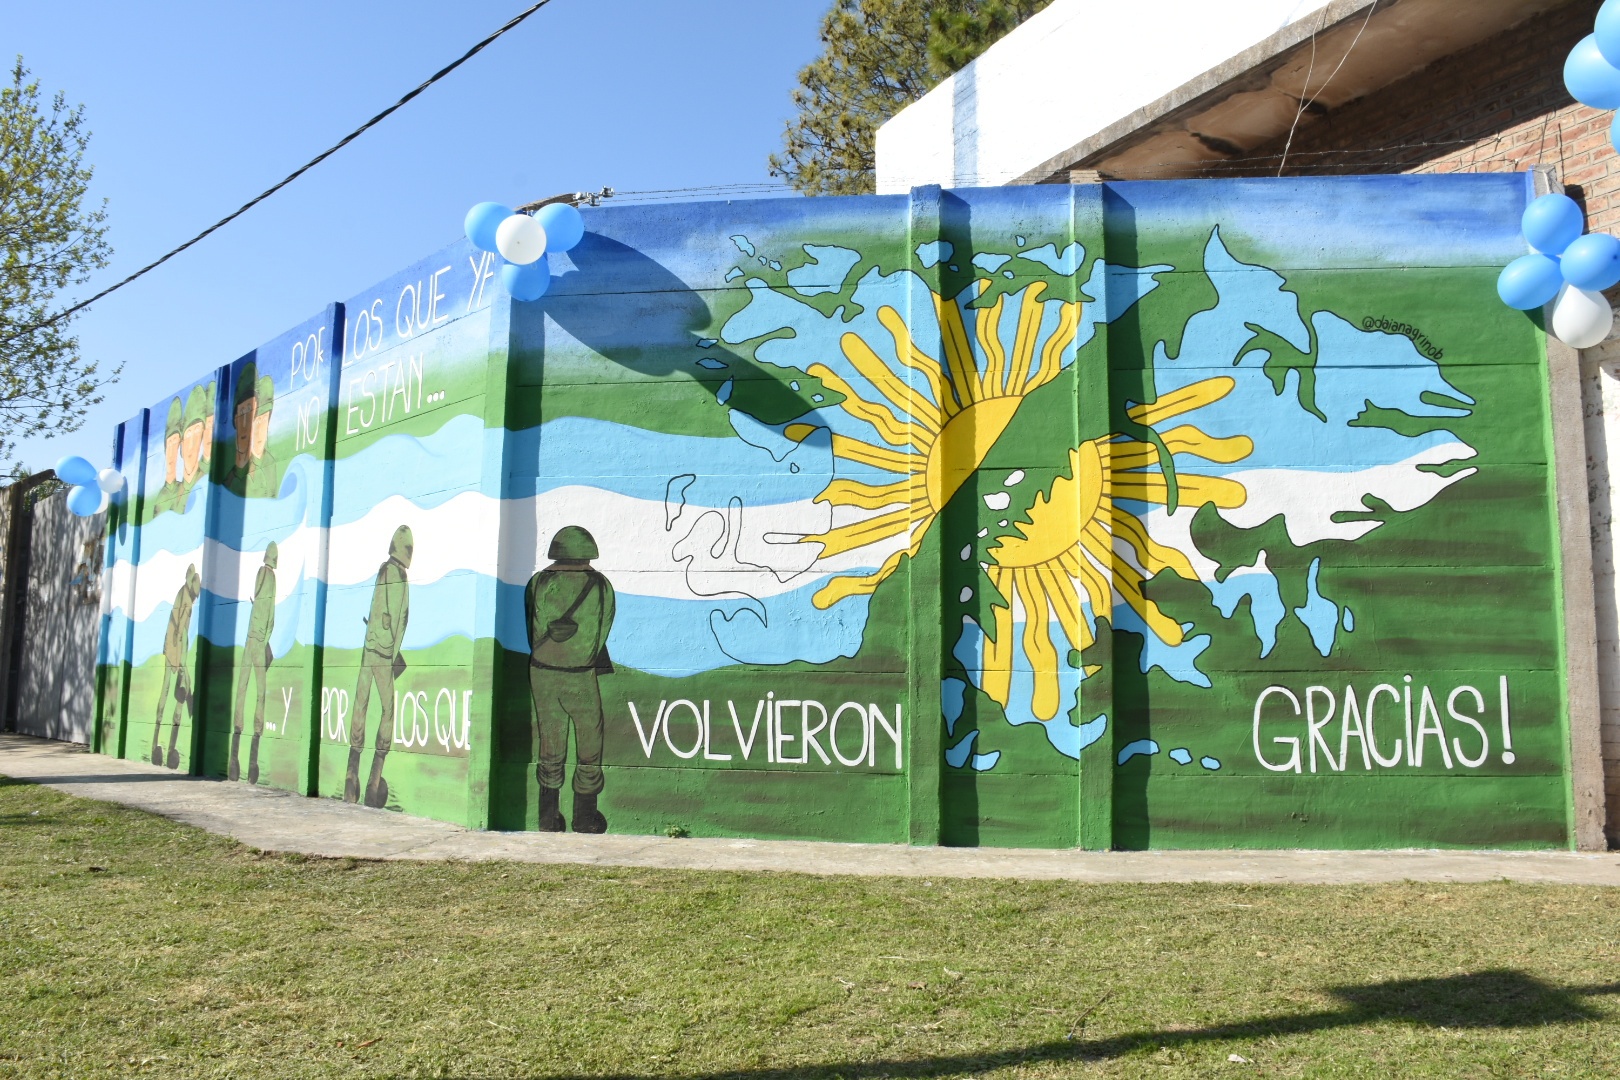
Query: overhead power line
(290, 177)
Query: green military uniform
(206, 455)
(570, 610)
(236, 477)
(263, 481)
(380, 663)
(174, 668)
(196, 407)
(171, 496)
(255, 662)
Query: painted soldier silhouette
(380, 664)
(570, 610)
(245, 409)
(173, 478)
(174, 668)
(254, 664)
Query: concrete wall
(1070, 71)
(1501, 106)
(1190, 514)
(61, 619)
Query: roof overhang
(1344, 52)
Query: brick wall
(1498, 107)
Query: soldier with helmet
(570, 608)
(246, 407)
(263, 480)
(175, 673)
(254, 663)
(380, 664)
(173, 481)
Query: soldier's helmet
(573, 543)
(271, 553)
(402, 546)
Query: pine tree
(879, 56)
(49, 239)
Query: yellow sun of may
(1078, 536)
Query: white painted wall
(1061, 77)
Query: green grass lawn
(132, 945)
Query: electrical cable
(1303, 104)
(316, 160)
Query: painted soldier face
(261, 434)
(171, 455)
(191, 448)
(244, 430)
(208, 437)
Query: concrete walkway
(278, 821)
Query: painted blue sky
(195, 107)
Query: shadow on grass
(1485, 999)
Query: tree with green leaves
(878, 56)
(50, 238)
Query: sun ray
(923, 413)
(1052, 356)
(914, 358)
(861, 533)
(1193, 396)
(880, 457)
(866, 496)
(1029, 325)
(888, 428)
(987, 326)
(958, 353)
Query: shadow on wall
(1480, 1000)
(55, 693)
(651, 324)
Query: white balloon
(106, 499)
(110, 480)
(520, 239)
(1581, 319)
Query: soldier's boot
(377, 787)
(157, 750)
(587, 818)
(253, 760)
(351, 779)
(232, 772)
(551, 819)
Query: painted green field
(132, 945)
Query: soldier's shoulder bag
(564, 627)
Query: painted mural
(1139, 515)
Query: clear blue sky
(196, 107)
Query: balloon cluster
(523, 242)
(1592, 72)
(1570, 270)
(91, 489)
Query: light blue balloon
(1608, 32)
(1589, 78)
(1530, 281)
(84, 501)
(1592, 262)
(482, 221)
(564, 226)
(76, 470)
(527, 282)
(1552, 223)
